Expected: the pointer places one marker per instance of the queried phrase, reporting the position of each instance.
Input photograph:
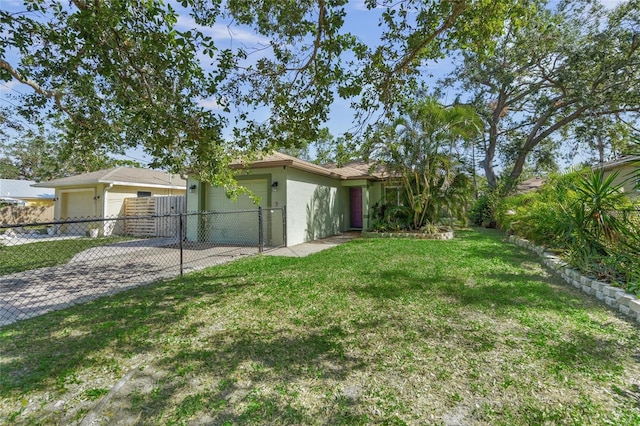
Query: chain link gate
(53, 265)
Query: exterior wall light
(274, 186)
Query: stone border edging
(617, 298)
(416, 235)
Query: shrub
(480, 211)
(580, 213)
(388, 217)
(539, 216)
(601, 241)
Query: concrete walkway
(305, 249)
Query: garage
(77, 204)
(229, 225)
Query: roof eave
(146, 185)
(261, 164)
(62, 185)
(616, 163)
(110, 182)
(319, 170)
(365, 177)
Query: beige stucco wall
(13, 215)
(113, 197)
(625, 178)
(107, 201)
(38, 202)
(316, 207)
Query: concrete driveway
(102, 271)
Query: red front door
(356, 207)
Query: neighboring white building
(21, 192)
(628, 169)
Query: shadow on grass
(506, 283)
(256, 373)
(63, 341)
(491, 290)
(257, 367)
(47, 352)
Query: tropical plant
(599, 239)
(418, 149)
(595, 223)
(479, 212)
(586, 216)
(539, 216)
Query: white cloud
(220, 32)
(610, 4)
(210, 103)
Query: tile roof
(14, 188)
(529, 185)
(359, 169)
(121, 176)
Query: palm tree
(421, 150)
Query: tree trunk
(490, 149)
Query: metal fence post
(180, 227)
(260, 236)
(284, 226)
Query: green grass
(469, 331)
(47, 253)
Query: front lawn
(41, 254)
(468, 331)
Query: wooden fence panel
(168, 226)
(153, 206)
(143, 206)
(13, 215)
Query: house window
(144, 194)
(393, 195)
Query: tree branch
(316, 43)
(51, 94)
(458, 8)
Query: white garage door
(78, 205)
(236, 228)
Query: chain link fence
(53, 265)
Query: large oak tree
(121, 74)
(552, 76)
